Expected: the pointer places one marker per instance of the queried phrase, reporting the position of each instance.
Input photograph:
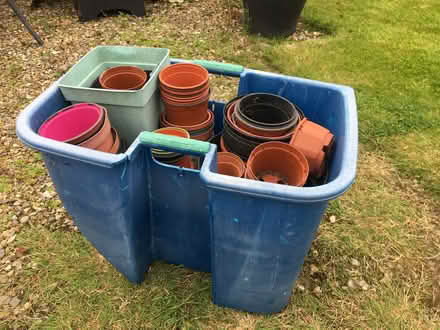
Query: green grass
(388, 51)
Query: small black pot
(273, 18)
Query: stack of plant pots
(173, 158)
(257, 118)
(259, 127)
(185, 91)
(230, 164)
(83, 124)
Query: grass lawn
(376, 260)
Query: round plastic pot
(278, 162)
(203, 135)
(316, 143)
(116, 142)
(237, 144)
(229, 121)
(186, 114)
(186, 77)
(207, 123)
(261, 130)
(274, 17)
(230, 164)
(123, 78)
(101, 140)
(174, 131)
(265, 109)
(193, 99)
(183, 94)
(73, 124)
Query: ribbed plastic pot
(205, 124)
(123, 78)
(229, 120)
(278, 162)
(103, 139)
(184, 78)
(73, 124)
(191, 99)
(230, 164)
(186, 114)
(316, 143)
(267, 109)
(265, 114)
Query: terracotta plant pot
(73, 124)
(186, 114)
(103, 139)
(116, 142)
(179, 99)
(184, 77)
(316, 143)
(230, 164)
(278, 162)
(123, 78)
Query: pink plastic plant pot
(73, 124)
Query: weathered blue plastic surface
(252, 235)
(261, 232)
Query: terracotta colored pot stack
(184, 89)
(169, 157)
(83, 124)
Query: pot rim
(192, 66)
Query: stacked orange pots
(184, 89)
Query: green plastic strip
(174, 142)
(221, 67)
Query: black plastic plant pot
(273, 18)
(267, 110)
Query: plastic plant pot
(116, 142)
(73, 124)
(103, 139)
(185, 77)
(174, 131)
(230, 164)
(278, 162)
(123, 78)
(186, 114)
(207, 123)
(316, 143)
(267, 109)
(180, 99)
(261, 130)
(229, 120)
